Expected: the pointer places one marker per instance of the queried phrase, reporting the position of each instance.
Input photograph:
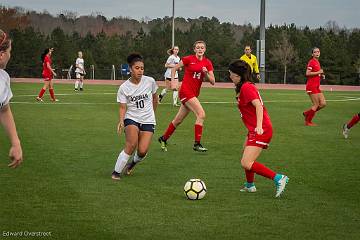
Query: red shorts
(47, 77)
(313, 89)
(257, 140)
(185, 96)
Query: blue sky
(313, 13)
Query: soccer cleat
(280, 185)
(55, 100)
(310, 124)
(76, 90)
(160, 98)
(163, 144)
(345, 131)
(199, 148)
(130, 168)
(176, 105)
(39, 99)
(81, 89)
(115, 175)
(251, 189)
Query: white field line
(204, 102)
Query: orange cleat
(311, 124)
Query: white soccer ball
(195, 189)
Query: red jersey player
(197, 68)
(257, 121)
(48, 74)
(314, 73)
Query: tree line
(288, 48)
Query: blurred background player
(314, 73)
(173, 85)
(197, 68)
(257, 121)
(6, 117)
(79, 72)
(346, 127)
(138, 101)
(48, 74)
(251, 60)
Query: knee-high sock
(250, 175)
(309, 115)
(260, 169)
(121, 161)
(169, 131)
(198, 132)
(41, 93)
(52, 94)
(81, 84)
(353, 121)
(76, 84)
(175, 96)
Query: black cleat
(199, 148)
(163, 144)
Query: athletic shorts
(262, 141)
(78, 75)
(185, 96)
(169, 79)
(142, 127)
(313, 89)
(47, 78)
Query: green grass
(64, 185)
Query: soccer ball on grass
(195, 189)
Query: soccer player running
(257, 121)
(138, 101)
(346, 127)
(79, 72)
(48, 73)
(197, 68)
(173, 85)
(251, 60)
(314, 73)
(6, 117)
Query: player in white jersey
(173, 85)
(138, 100)
(79, 72)
(6, 117)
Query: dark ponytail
(46, 51)
(242, 69)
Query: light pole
(262, 42)
(173, 24)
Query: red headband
(3, 39)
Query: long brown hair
(5, 41)
(242, 69)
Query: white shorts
(78, 75)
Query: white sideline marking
(70, 94)
(347, 99)
(114, 103)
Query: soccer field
(64, 185)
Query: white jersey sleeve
(154, 86)
(5, 90)
(121, 97)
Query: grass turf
(64, 185)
